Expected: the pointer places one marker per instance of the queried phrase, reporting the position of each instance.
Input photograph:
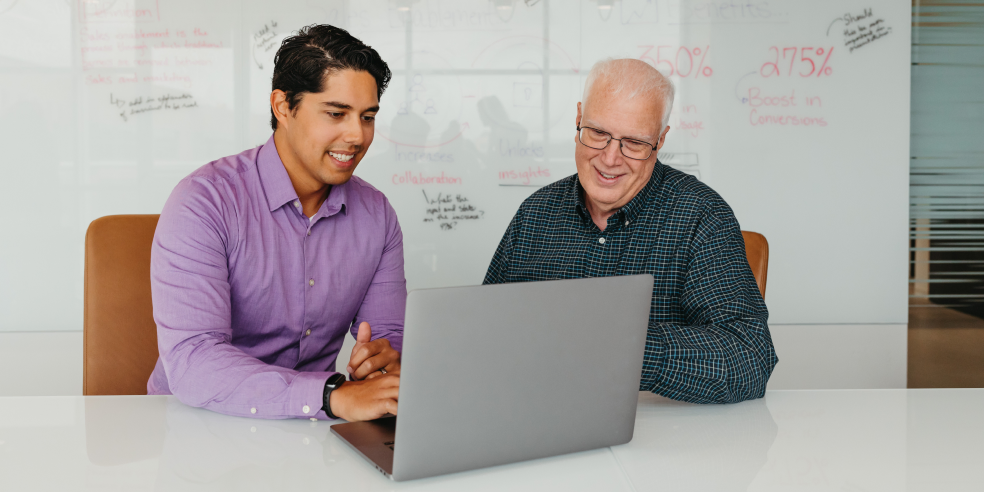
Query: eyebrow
(340, 105)
(641, 138)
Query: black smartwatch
(334, 382)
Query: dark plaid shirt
(708, 339)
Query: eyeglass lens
(632, 149)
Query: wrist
(334, 382)
(336, 402)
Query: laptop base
(373, 440)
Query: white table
(891, 440)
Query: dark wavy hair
(306, 60)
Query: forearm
(385, 301)
(718, 363)
(206, 371)
(384, 308)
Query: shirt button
(252, 410)
(311, 282)
(309, 231)
(297, 203)
(601, 240)
(626, 223)
(308, 332)
(306, 409)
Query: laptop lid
(497, 374)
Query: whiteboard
(796, 112)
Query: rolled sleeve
(385, 302)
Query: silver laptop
(496, 374)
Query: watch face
(335, 380)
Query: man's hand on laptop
(366, 400)
(372, 358)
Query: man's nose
(611, 154)
(353, 132)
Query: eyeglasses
(598, 140)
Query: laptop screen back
(503, 373)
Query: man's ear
(578, 122)
(280, 107)
(662, 138)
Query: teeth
(342, 157)
(608, 176)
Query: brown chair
(757, 251)
(120, 337)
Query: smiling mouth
(343, 158)
(608, 177)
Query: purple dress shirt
(252, 299)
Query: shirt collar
(638, 203)
(280, 191)
(632, 209)
(337, 198)
(273, 176)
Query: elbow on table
(730, 388)
(748, 380)
(189, 394)
(748, 384)
(186, 388)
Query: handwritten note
(149, 53)
(448, 211)
(118, 11)
(861, 29)
(264, 41)
(113, 46)
(690, 120)
(530, 176)
(141, 105)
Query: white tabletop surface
(861, 440)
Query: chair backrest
(757, 251)
(120, 337)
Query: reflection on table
(872, 440)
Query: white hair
(634, 78)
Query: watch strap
(334, 382)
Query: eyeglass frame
(612, 137)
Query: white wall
(799, 184)
(41, 363)
(840, 356)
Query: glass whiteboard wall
(795, 111)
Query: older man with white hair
(626, 213)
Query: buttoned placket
(610, 243)
(611, 228)
(310, 282)
(625, 233)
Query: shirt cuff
(307, 393)
(396, 341)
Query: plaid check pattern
(708, 338)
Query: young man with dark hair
(262, 261)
